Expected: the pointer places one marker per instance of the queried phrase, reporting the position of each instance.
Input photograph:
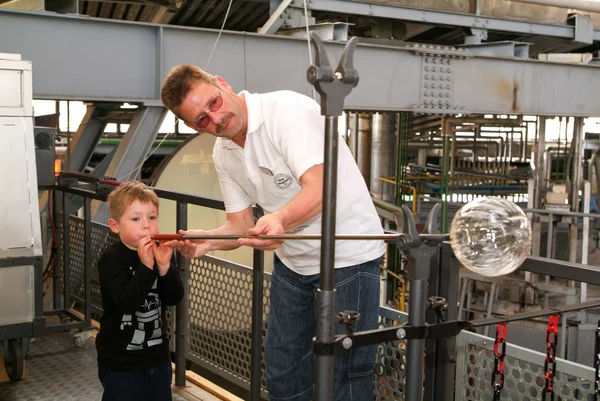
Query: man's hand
(190, 249)
(145, 252)
(162, 254)
(269, 224)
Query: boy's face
(139, 220)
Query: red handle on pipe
(167, 237)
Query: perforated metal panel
(388, 373)
(523, 370)
(220, 325)
(220, 314)
(102, 238)
(220, 317)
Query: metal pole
(257, 306)
(66, 252)
(443, 282)
(585, 235)
(530, 204)
(182, 307)
(539, 190)
(87, 260)
(168, 237)
(326, 293)
(57, 277)
(416, 348)
(333, 87)
(576, 178)
(445, 179)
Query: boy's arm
(170, 286)
(125, 291)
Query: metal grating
(220, 317)
(219, 314)
(523, 370)
(102, 238)
(388, 373)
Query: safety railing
(219, 321)
(220, 324)
(524, 373)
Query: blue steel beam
(126, 163)
(107, 60)
(438, 18)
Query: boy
(137, 279)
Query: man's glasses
(213, 106)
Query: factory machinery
(421, 164)
(422, 161)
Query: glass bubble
(491, 236)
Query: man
(269, 150)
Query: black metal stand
(257, 304)
(333, 88)
(181, 309)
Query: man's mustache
(219, 127)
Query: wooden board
(3, 374)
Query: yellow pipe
(401, 304)
(391, 273)
(412, 188)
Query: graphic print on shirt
(148, 317)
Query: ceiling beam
(90, 59)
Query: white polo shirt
(285, 138)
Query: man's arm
(236, 223)
(304, 206)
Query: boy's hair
(125, 194)
(178, 84)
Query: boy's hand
(145, 252)
(162, 255)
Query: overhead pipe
(583, 5)
(363, 155)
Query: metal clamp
(439, 305)
(332, 86)
(348, 318)
(411, 238)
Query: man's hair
(178, 84)
(127, 193)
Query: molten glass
(491, 236)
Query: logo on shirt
(283, 181)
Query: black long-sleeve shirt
(133, 331)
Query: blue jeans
(290, 362)
(146, 385)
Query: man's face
(213, 109)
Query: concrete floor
(56, 369)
